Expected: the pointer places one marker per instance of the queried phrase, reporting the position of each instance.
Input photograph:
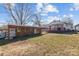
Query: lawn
(50, 44)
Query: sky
(48, 11)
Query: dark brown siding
(25, 30)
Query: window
(18, 29)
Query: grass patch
(20, 38)
(49, 44)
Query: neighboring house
(77, 27)
(58, 25)
(12, 31)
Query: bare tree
(20, 13)
(38, 21)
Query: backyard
(50, 44)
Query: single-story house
(14, 31)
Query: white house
(58, 25)
(77, 27)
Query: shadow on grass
(21, 38)
(68, 33)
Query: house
(77, 27)
(12, 31)
(58, 25)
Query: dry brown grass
(49, 44)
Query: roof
(22, 26)
(58, 22)
(77, 25)
(14, 26)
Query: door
(12, 33)
(59, 29)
